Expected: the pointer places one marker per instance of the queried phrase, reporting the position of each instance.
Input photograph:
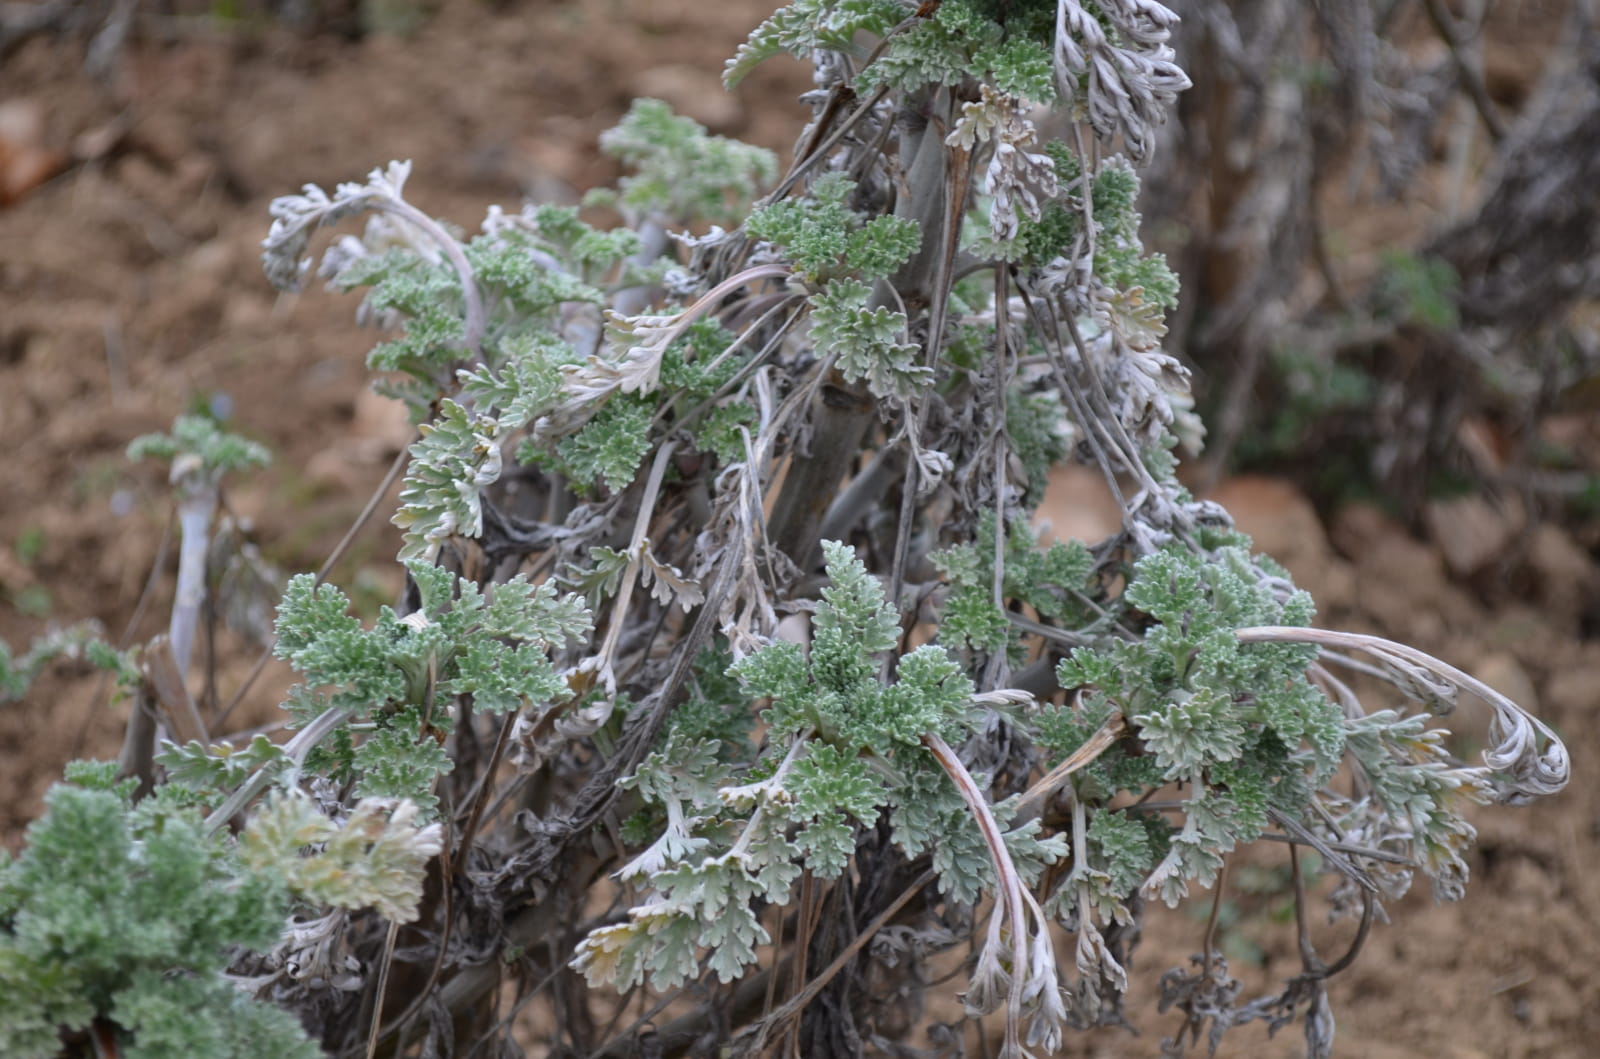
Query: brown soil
(130, 290)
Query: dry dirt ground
(130, 290)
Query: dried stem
(1516, 762)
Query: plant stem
(1008, 885)
(296, 749)
(840, 416)
(195, 506)
(476, 319)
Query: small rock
(794, 628)
(91, 145)
(1077, 505)
(1565, 576)
(26, 161)
(23, 169)
(1486, 443)
(247, 311)
(1574, 690)
(194, 173)
(693, 92)
(164, 136)
(1384, 553)
(1358, 527)
(22, 122)
(1472, 532)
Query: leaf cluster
(399, 675)
(198, 447)
(693, 372)
(839, 254)
(825, 239)
(376, 857)
(127, 916)
(836, 691)
(807, 26)
(1056, 583)
(966, 39)
(1120, 261)
(80, 641)
(527, 266)
(844, 747)
(1240, 725)
(679, 170)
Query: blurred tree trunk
(1532, 248)
(1308, 113)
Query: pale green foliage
(809, 25)
(428, 296)
(826, 239)
(621, 423)
(459, 645)
(1063, 729)
(1054, 581)
(1123, 846)
(720, 434)
(960, 41)
(1419, 794)
(583, 257)
(509, 260)
(868, 342)
(197, 446)
(526, 383)
(828, 787)
(679, 170)
(1120, 259)
(735, 753)
(80, 641)
(494, 648)
(530, 271)
(844, 747)
(459, 453)
(220, 767)
(129, 915)
(836, 691)
(457, 456)
(377, 857)
(612, 446)
(394, 762)
(1239, 723)
(927, 815)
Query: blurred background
(1386, 215)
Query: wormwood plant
(731, 685)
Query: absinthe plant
(723, 605)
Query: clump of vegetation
(730, 676)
